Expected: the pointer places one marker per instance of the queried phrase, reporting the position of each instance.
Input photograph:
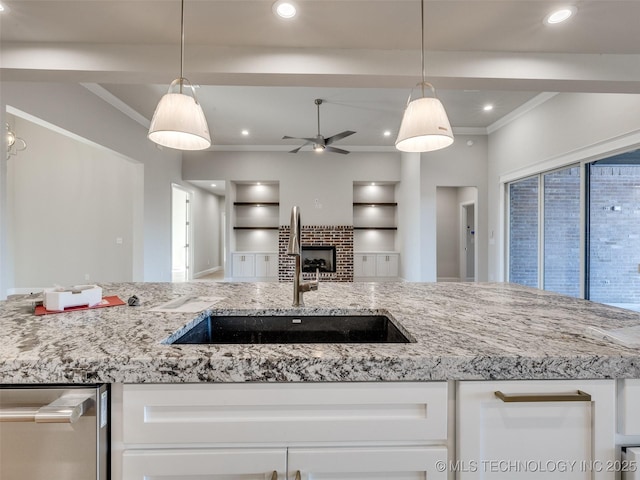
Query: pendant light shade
(179, 122)
(425, 126)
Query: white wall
(456, 166)
(206, 212)
(303, 178)
(73, 109)
(568, 128)
(69, 203)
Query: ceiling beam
(157, 64)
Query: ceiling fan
(321, 144)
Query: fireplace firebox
(322, 258)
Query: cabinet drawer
(628, 407)
(388, 463)
(227, 463)
(304, 412)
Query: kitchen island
(461, 331)
(393, 410)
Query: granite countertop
(461, 331)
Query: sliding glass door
(554, 262)
(582, 242)
(614, 231)
(561, 249)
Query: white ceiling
(262, 73)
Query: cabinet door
(364, 265)
(367, 463)
(530, 434)
(243, 265)
(387, 265)
(266, 265)
(197, 464)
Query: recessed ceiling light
(213, 185)
(488, 107)
(387, 133)
(560, 15)
(373, 184)
(284, 9)
(245, 132)
(1, 8)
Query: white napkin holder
(57, 299)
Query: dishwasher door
(54, 432)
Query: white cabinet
(536, 429)
(199, 463)
(391, 431)
(387, 265)
(364, 265)
(266, 265)
(255, 265)
(388, 463)
(243, 265)
(629, 407)
(375, 265)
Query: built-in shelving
(255, 223)
(374, 216)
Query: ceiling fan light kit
(178, 121)
(319, 142)
(425, 126)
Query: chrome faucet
(295, 249)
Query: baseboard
(448, 279)
(206, 272)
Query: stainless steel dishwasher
(54, 431)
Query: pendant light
(425, 126)
(179, 121)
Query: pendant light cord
(421, 43)
(182, 44)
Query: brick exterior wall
(562, 231)
(523, 232)
(614, 246)
(312, 235)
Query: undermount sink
(288, 329)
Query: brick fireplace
(340, 237)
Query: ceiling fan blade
(338, 136)
(296, 150)
(335, 150)
(308, 140)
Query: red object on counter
(112, 301)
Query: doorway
(456, 228)
(181, 254)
